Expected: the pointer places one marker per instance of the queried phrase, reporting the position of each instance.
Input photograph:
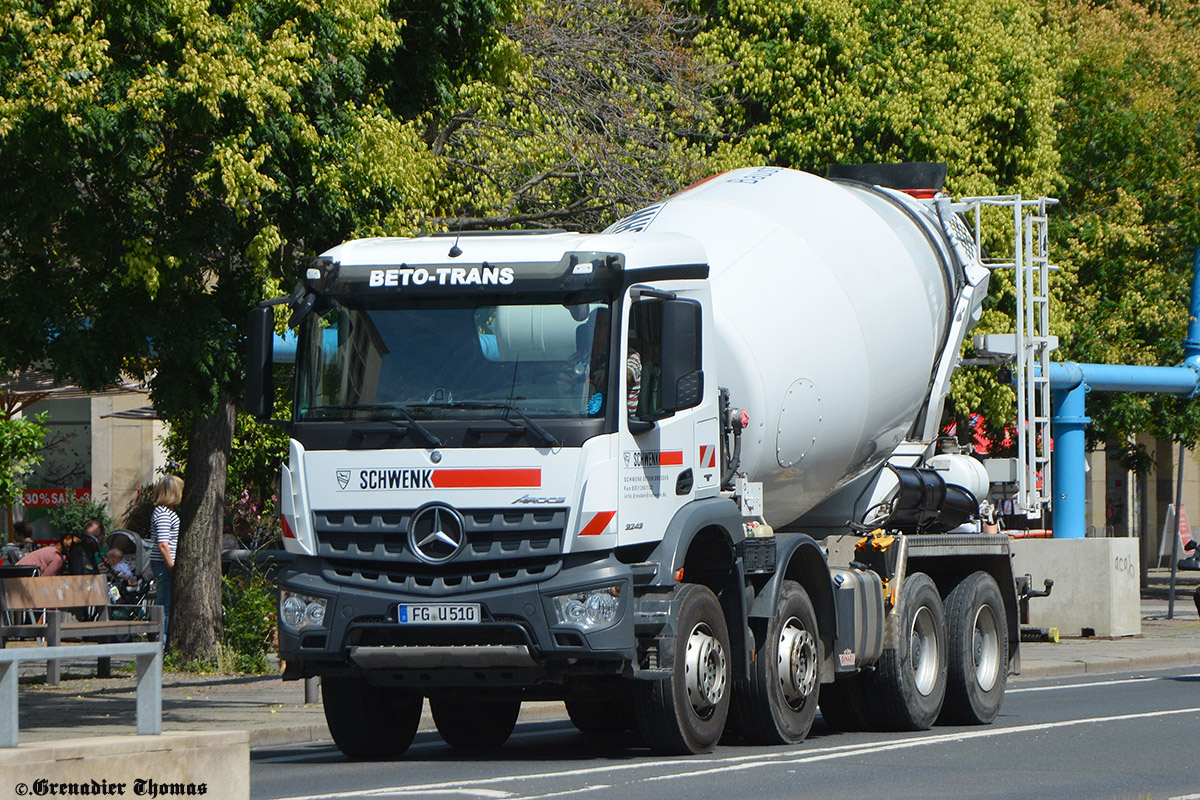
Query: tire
(779, 701)
(474, 725)
(602, 718)
(977, 633)
(908, 687)
(844, 704)
(686, 713)
(370, 723)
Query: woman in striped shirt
(164, 531)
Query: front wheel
(977, 630)
(474, 725)
(370, 723)
(907, 689)
(686, 713)
(779, 701)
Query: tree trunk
(196, 603)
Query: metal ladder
(1031, 267)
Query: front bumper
(517, 642)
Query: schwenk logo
(343, 478)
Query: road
(1113, 736)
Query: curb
(1076, 668)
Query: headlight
(301, 611)
(590, 609)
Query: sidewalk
(274, 712)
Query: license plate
(438, 614)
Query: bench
(33, 608)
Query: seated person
(49, 559)
(82, 550)
(21, 544)
(633, 380)
(114, 562)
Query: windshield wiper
(412, 424)
(543, 434)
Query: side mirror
(260, 382)
(682, 375)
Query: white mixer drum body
(832, 303)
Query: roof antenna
(455, 250)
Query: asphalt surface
(1115, 736)
(274, 712)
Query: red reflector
(287, 529)
(598, 523)
(679, 575)
(921, 194)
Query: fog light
(590, 609)
(301, 611)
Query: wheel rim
(923, 650)
(985, 647)
(797, 663)
(707, 670)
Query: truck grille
(503, 547)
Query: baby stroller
(130, 584)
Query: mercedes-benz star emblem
(436, 534)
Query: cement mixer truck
(683, 475)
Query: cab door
(659, 386)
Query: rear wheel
(370, 723)
(779, 701)
(474, 725)
(907, 689)
(686, 713)
(977, 632)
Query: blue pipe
(1070, 382)
(1124, 378)
(1068, 423)
(1191, 344)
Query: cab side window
(643, 361)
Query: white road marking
(688, 766)
(589, 788)
(1078, 685)
(922, 741)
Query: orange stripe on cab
(487, 478)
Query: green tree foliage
(836, 81)
(20, 451)
(74, 517)
(586, 111)
(972, 83)
(166, 162)
(1130, 222)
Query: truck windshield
(447, 359)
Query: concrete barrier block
(1096, 585)
(168, 765)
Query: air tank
(833, 303)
